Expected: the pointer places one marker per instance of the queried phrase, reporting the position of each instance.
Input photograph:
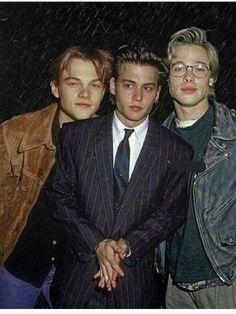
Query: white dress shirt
(136, 140)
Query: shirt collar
(118, 129)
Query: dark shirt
(187, 257)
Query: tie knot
(128, 132)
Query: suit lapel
(104, 161)
(146, 160)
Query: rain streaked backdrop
(32, 34)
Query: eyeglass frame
(189, 66)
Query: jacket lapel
(146, 160)
(104, 161)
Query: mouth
(83, 105)
(136, 108)
(188, 90)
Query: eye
(200, 68)
(74, 84)
(96, 85)
(128, 85)
(149, 88)
(178, 68)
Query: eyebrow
(78, 79)
(192, 63)
(133, 82)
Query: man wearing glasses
(201, 256)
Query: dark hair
(138, 55)
(102, 60)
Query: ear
(54, 89)
(211, 81)
(157, 95)
(112, 86)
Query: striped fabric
(153, 207)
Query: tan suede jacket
(27, 155)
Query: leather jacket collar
(43, 122)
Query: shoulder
(17, 125)
(169, 136)
(83, 124)
(83, 128)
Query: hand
(107, 261)
(107, 283)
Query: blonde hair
(194, 36)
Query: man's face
(188, 90)
(80, 91)
(135, 91)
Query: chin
(85, 115)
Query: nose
(188, 76)
(138, 94)
(84, 92)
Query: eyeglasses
(200, 70)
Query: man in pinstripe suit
(109, 262)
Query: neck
(184, 113)
(63, 118)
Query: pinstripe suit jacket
(153, 207)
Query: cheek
(150, 98)
(66, 94)
(204, 88)
(97, 96)
(172, 84)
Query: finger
(104, 272)
(101, 282)
(106, 281)
(114, 276)
(108, 285)
(109, 269)
(112, 264)
(116, 268)
(97, 275)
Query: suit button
(54, 242)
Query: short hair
(102, 60)
(138, 55)
(194, 36)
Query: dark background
(34, 33)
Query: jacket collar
(39, 130)
(224, 126)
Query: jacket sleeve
(169, 214)
(5, 168)
(5, 173)
(83, 236)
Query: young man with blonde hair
(201, 256)
(27, 144)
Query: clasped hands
(109, 254)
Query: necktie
(121, 168)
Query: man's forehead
(129, 69)
(190, 52)
(79, 67)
